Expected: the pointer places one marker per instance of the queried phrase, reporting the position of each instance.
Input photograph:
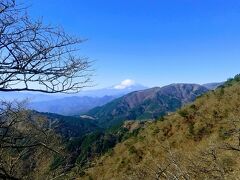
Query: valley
(119, 90)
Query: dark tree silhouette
(23, 134)
(35, 57)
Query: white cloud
(125, 84)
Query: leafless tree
(234, 131)
(21, 134)
(35, 57)
(170, 167)
(206, 163)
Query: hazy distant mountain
(120, 89)
(123, 88)
(146, 104)
(86, 100)
(70, 105)
(213, 86)
(32, 97)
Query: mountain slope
(212, 86)
(70, 127)
(200, 141)
(146, 104)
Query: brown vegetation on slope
(200, 141)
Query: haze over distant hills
(81, 102)
(70, 106)
(122, 88)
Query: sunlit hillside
(119, 90)
(200, 141)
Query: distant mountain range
(70, 106)
(116, 90)
(29, 96)
(146, 104)
(81, 102)
(110, 110)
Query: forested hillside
(199, 141)
(64, 117)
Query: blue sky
(154, 42)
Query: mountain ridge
(199, 141)
(146, 104)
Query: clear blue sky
(154, 42)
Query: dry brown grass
(193, 143)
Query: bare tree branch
(35, 57)
(21, 134)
